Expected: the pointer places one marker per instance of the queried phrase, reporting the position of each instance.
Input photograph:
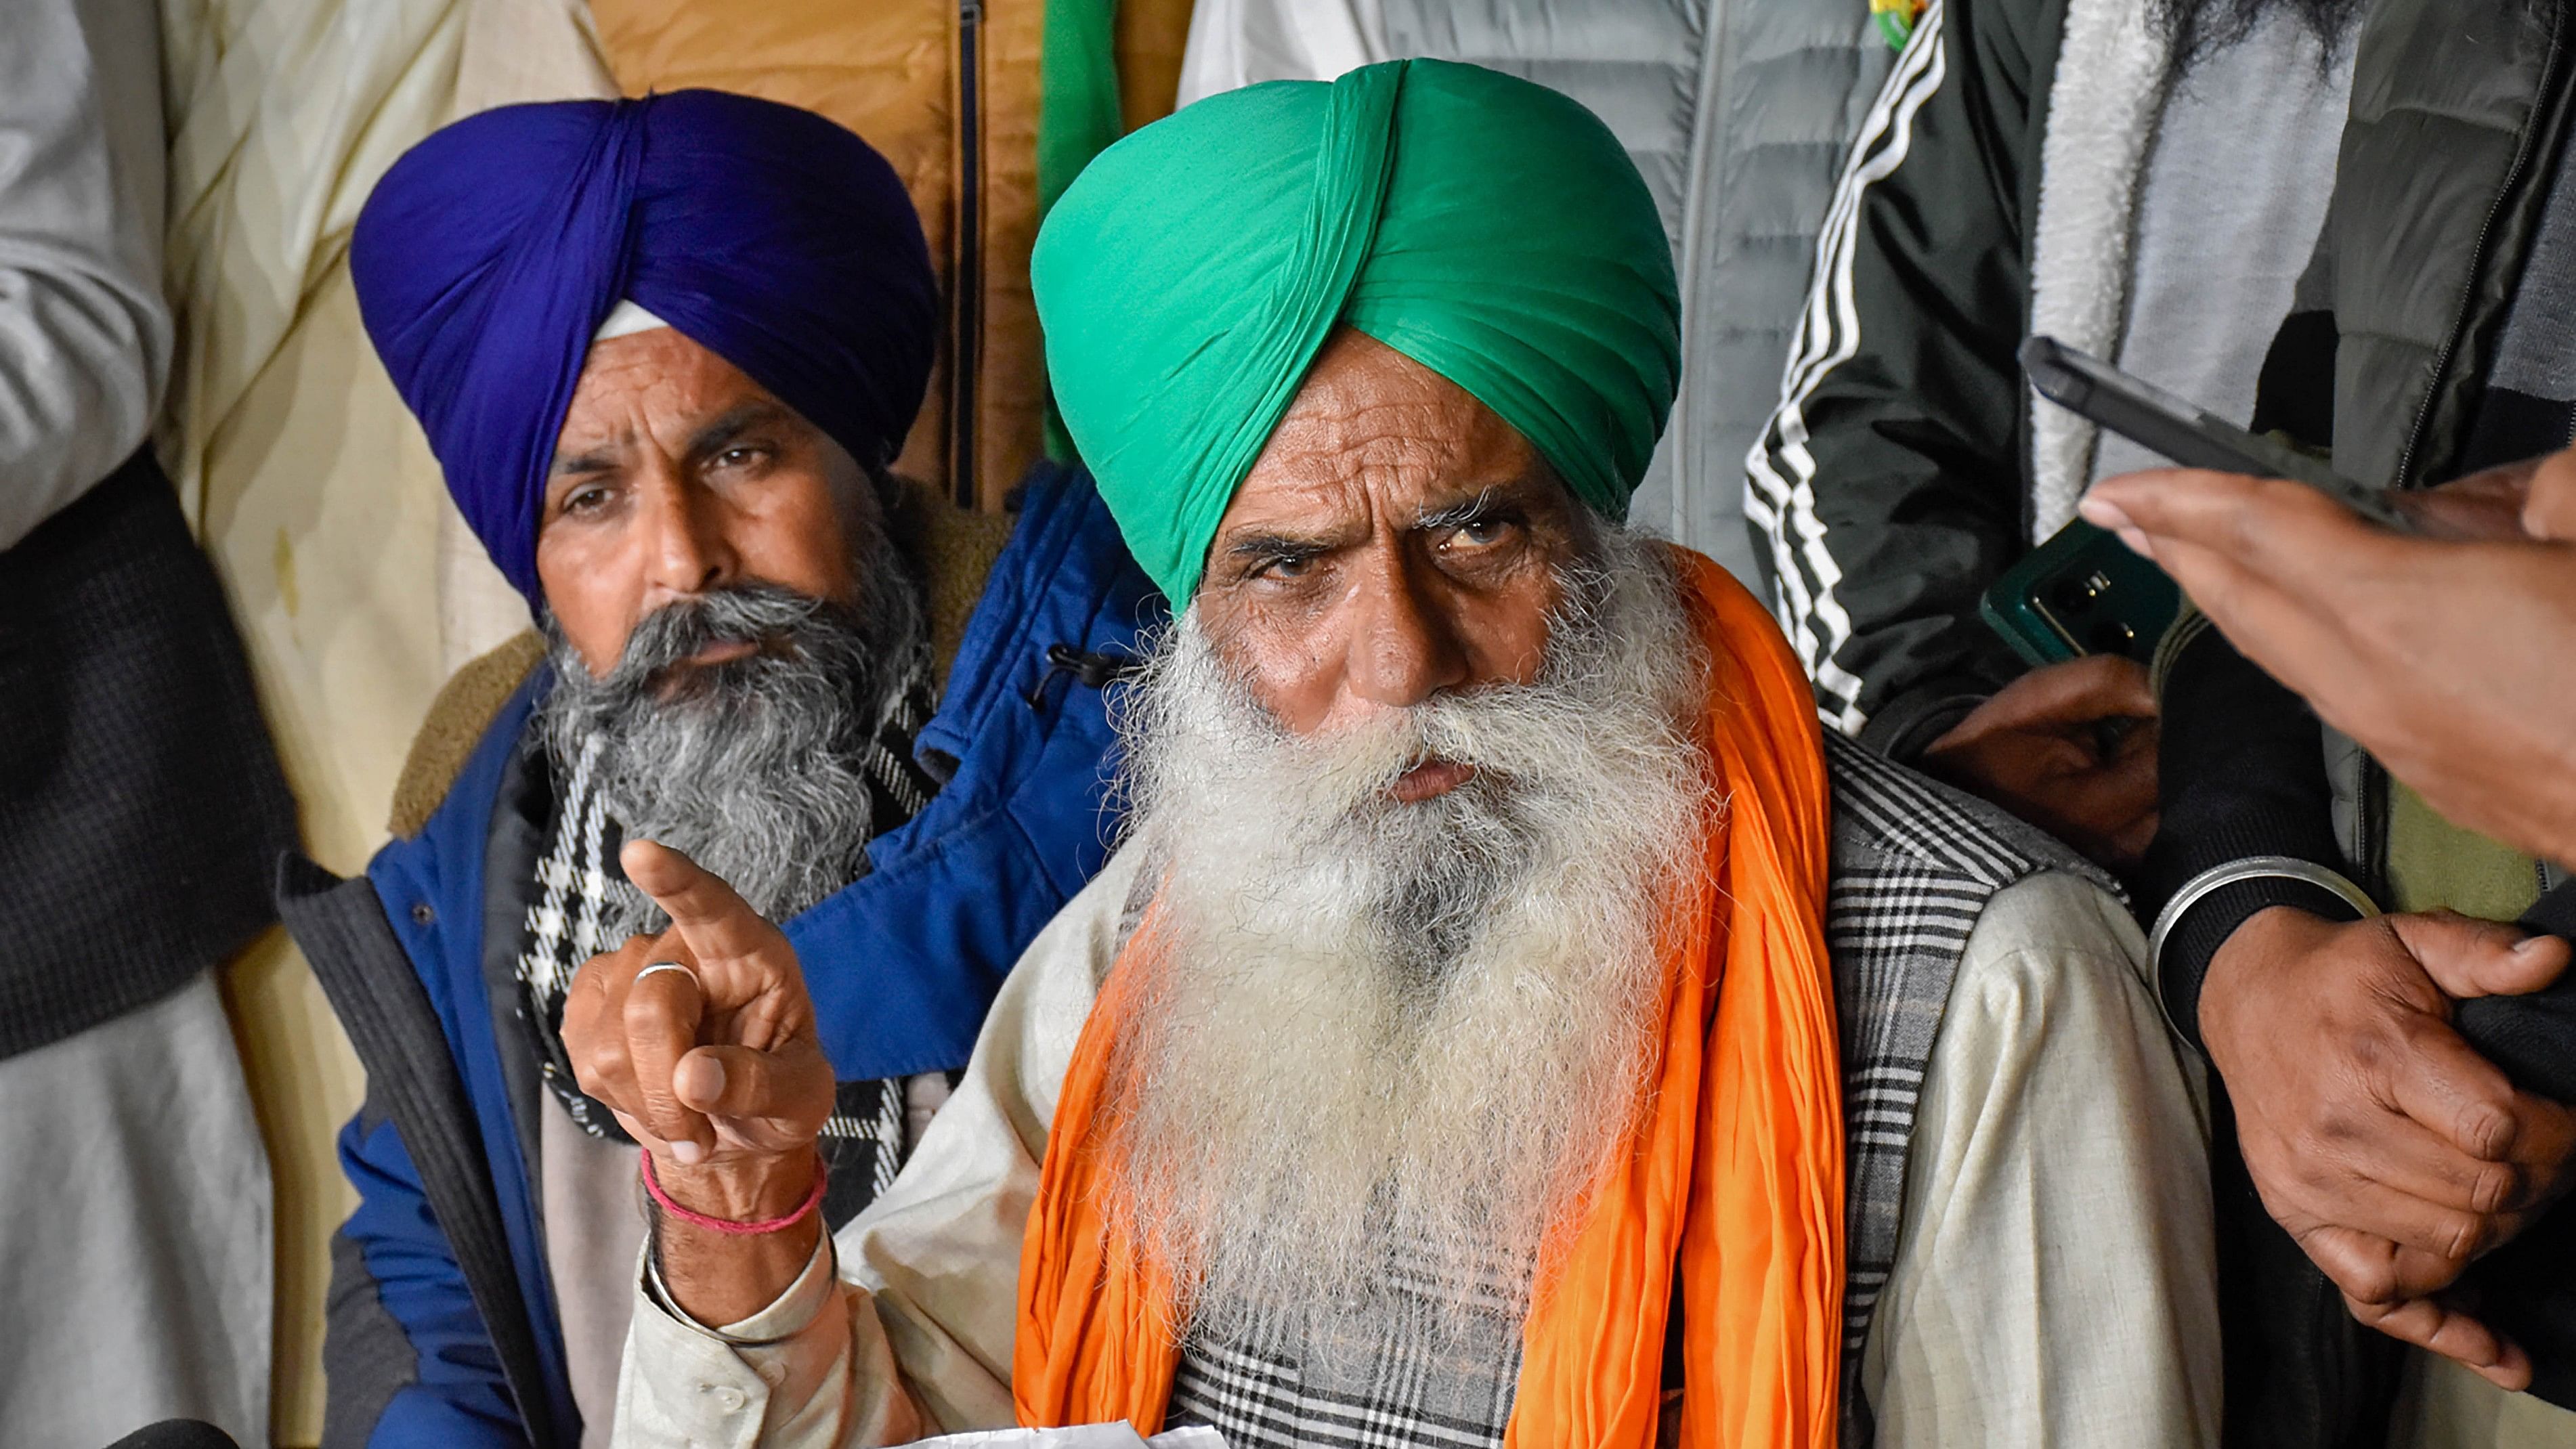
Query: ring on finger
(664, 966)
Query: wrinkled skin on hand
(2069, 747)
(716, 1070)
(2377, 1137)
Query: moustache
(775, 621)
(1475, 743)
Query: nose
(1404, 647)
(688, 551)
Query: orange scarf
(1735, 1181)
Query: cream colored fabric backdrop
(357, 589)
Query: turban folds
(1487, 227)
(489, 254)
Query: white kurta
(2055, 1283)
(136, 1252)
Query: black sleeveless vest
(141, 804)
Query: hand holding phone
(2082, 592)
(2193, 437)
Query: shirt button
(726, 1396)
(422, 915)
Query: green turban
(1486, 227)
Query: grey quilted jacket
(1737, 113)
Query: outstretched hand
(2440, 654)
(717, 1070)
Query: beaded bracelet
(729, 1226)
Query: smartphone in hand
(2194, 438)
(2083, 592)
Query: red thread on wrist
(730, 1226)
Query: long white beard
(1377, 1032)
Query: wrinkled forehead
(1371, 428)
(655, 379)
(1364, 404)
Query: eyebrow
(597, 460)
(713, 437)
(1275, 545)
(1486, 503)
(732, 424)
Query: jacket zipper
(2371, 808)
(965, 354)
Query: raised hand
(716, 1069)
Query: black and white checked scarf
(1417, 1371)
(578, 880)
(1914, 866)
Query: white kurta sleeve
(85, 335)
(914, 1335)
(2056, 1277)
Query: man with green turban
(1489, 229)
(1449, 1054)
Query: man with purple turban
(665, 351)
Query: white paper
(1086, 1436)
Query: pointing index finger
(716, 922)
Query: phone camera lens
(2076, 596)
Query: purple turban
(490, 253)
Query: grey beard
(752, 768)
(1380, 1032)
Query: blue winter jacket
(443, 1329)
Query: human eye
(1482, 530)
(1275, 559)
(739, 457)
(585, 498)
